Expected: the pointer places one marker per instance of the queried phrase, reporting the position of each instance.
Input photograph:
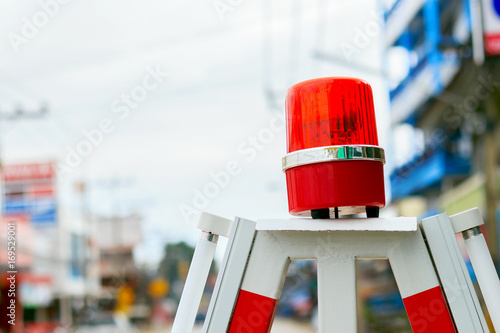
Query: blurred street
(279, 326)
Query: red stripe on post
(428, 312)
(253, 313)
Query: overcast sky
(176, 91)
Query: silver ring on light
(333, 153)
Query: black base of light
(320, 213)
(372, 211)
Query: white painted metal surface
(455, 280)
(230, 276)
(487, 276)
(195, 283)
(361, 224)
(212, 226)
(337, 294)
(215, 224)
(410, 263)
(466, 220)
(481, 261)
(267, 266)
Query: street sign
(29, 189)
(491, 22)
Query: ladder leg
(419, 286)
(455, 280)
(337, 294)
(261, 287)
(229, 277)
(195, 283)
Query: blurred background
(120, 121)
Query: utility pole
(491, 154)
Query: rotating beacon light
(334, 165)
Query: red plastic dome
(328, 112)
(334, 165)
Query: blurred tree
(175, 265)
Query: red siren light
(334, 165)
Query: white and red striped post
(261, 287)
(419, 286)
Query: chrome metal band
(333, 153)
(476, 231)
(209, 236)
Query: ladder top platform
(400, 224)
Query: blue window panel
(423, 173)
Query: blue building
(446, 96)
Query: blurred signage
(29, 189)
(35, 290)
(124, 299)
(19, 172)
(158, 288)
(491, 24)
